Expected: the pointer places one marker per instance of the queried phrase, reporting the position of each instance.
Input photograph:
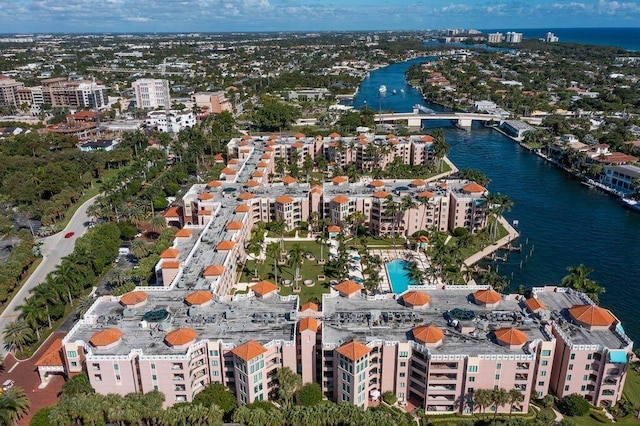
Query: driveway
(53, 249)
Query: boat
(393, 92)
(401, 90)
(382, 89)
(630, 203)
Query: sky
(27, 16)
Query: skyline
(81, 16)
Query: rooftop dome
(591, 316)
(198, 297)
(106, 337)
(134, 298)
(180, 337)
(511, 337)
(427, 334)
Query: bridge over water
(414, 119)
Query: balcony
(522, 377)
(441, 388)
(522, 366)
(443, 377)
(443, 366)
(610, 382)
(441, 399)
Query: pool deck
(402, 254)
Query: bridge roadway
(414, 119)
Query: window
(98, 377)
(543, 373)
(155, 387)
(74, 363)
(582, 388)
(473, 369)
(402, 384)
(497, 377)
(545, 363)
(96, 367)
(214, 363)
(498, 366)
(215, 373)
(590, 356)
(585, 377)
(568, 377)
(117, 377)
(153, 366)
(472, 379)
(403, 374)
(570, 367)
(573, 356)
(566, 388)
(116, 367)
(540, 383)
(404, 354)
(587, 367)
(403, 364)
(546, 352)
(72, 354)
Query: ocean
(626, 38)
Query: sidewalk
(511, 236)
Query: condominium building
(212, 102)
(513, 37)
(9, 91)
(60, 92)
(170, 121)
(152, 93)
(495, 37)
(433, 345)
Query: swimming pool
(397, 271)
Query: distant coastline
(625, 38)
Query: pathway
(53, 249)
(511, 236)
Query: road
(53, 249)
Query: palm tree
(322, 239)
(16, 334)
(578, 279)
(392, 209)
(139, 248)
(84, 303)
(515, 396)
(158, 224)
(295, 259)
(273, 251)
(407, 204)
(13, 405)
(356, 218)
(288, 383)
(482, 398)
(32, 314)
(499, 397)
(254, 247)
(440, 147)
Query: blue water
(561, 221)
(626, 38)
(397, 270)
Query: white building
(152, 93)
(551, 38)
(170, 121)
(513, 37)
(495, 38)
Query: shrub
(389, 398)
(309, 394)
(548, 401)
(574, 405)
(460, 232)
(599, 417)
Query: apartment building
(212, 102)
(431, 345)
(60, 92)
(152, 93)
(171, 121)
(9, 91)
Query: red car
(69, 234)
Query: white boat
(393, 92)
(631, 203)
(382, 89)
(401, 90)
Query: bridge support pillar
(464, 123)
(414, 122)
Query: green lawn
(372, 241)
(632, 386)
(308, 270)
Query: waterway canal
(562, 221)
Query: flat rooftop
(233, 322)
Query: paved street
(53, 249)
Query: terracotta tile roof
(218, 157)
(425, 194)
(617, 158)
(184, 233)
(242, 208)
(423, 239)
(390, 136)
(289, 179)
(172, 212)
(228, 171)
(233, 161)
(257, 173)
(340, 179)
(225, 245)
(308, 324)
(234, 225)
(340, 199)
(364, 142)
(427, 138)
(243, 143)
(247, 137)
(473, 188)
(591, 315)
(181, 336)
(427, 334)
(170, 253)
(272, 137)
(269, 149)
(106, 337)
(53, 355)
(245, 196)
(511, 336)
(377, 184)
(284, 199)
(265, 156)
(198, 297)
(348, 287)
(361, 136)
(133, 298)
(263, 287)
(487, 296)
(299, 135)
(297, 145)
(380, 194)
(170, 264)
(205, 196)
(248, 350)
(214, 183)
(316, 189)
(353, 350)
(309, 305)
(534, 304)
(333, 228)
(333, 144)
(252, 184)
(334, 135)
(213, 271)
(262, 164)
(418, 182)
(416, 298)
(205, 212)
